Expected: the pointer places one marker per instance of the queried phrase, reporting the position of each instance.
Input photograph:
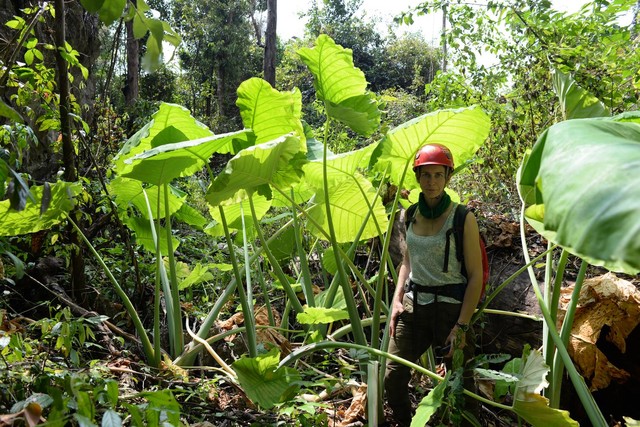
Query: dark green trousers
(415, 333)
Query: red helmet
(433, 154)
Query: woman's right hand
(396, 310)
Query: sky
(289, 24)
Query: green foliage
(318, 196)
(144, 24)
(571, 209)
(518, 42)
(409, 62)
(217, 54)
(430, 403)
(161, 85)
(45, 208)
(318, 315)
(264, 382)
(343, 90)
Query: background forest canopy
(108, 150)
(222, 43)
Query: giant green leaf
(265, 383)
(234, 215)
(30, 219)
(336, 78)
(338, 166)
(130, 192)
(359, 112)
(576, 102)
(268, 112)
(462, 130)
(580, 184)
(351, 199)
(169, 116)
(144, 235)
(256, 168)
(341, 85)
(163, 164)
(303, 190)
(191, 216)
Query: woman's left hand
(456, 339)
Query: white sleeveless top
(426, 255)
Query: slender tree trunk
(634, 20)
(444, 38)
(269, 65)
(207, 106)
(131, 87)
(220, 91)
(68, 151)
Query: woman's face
(432, 179)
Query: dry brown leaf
(33, 414)
(487, 388)
(604, 301)
(263, 335)
(230, 323)
(358, 408)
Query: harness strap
(447, 247)
(453, 290)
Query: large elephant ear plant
(580, 185)
(579, 188)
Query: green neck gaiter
(437, 210)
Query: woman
(446, 299)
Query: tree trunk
(68, 151)
(269, 65)
(220, 91)
(131, 87)
(444, 38)
(634, 20)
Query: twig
(230, 372)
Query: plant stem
(305, 280)
(565, 332)
(552, 296)
(589, 404)
(352, 308)
(131, 311)
(177, 332)
(284, 281)
(248, 316)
